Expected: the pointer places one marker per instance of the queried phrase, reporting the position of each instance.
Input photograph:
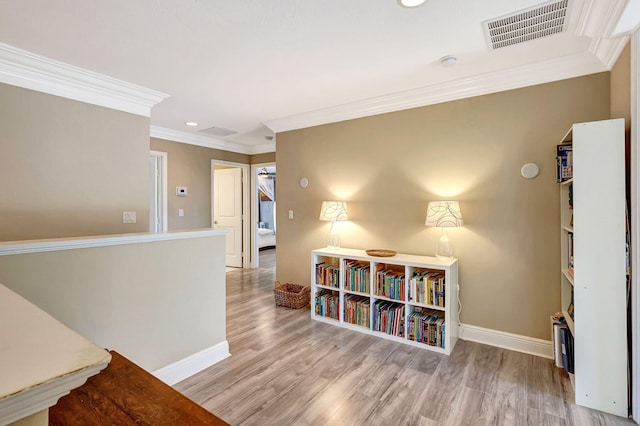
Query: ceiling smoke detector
(528, 24)
(448, 61)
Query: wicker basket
(291, 295)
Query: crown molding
(608, 49)
(208, 141)
(599, 18)
(31, 71)
(512, 78)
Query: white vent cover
(218, 131)
(529, 24)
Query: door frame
(635, 223)
(164, 173)
(255, 252)
(245, 204)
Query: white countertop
(40, 358)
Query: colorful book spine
(427, 326)
(357, 310)
(390, 283)
(327, 275)
(427, 287)
(564, 159)
(357, 276)
(388, 317)
(327, 304)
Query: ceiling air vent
(218, 131)
(529, 24)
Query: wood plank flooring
(286, 369)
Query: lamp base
(444, 248)
(333, 239)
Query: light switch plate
(128, 217)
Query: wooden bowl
(381, 253)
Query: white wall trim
(513, 78)
(164, 172)
(501, 339)
(187, 367)
(57, 244)
(208, 141)
(31, 71)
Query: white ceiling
(241, 64)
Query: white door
(227, 210)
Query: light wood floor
(286, 369)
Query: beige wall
(267, 157)
(69, 168)
(621, 87)
(388, 167)
(190, 166)
(155, 303)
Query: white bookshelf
(403, 263)
(598, 282)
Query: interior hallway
(286, 369)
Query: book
(564, 162)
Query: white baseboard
(500, 339)
(180, 370)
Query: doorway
(158, 191)
(263, 214)
(229, 203)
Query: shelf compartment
(357, 310)
(357, 276)
(328, 272)
(426, 326)
(427, 287)
(389, 317)
(327, 304)
(390, 281)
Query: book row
(327, 275)
(357, 310)
(390, 283)
(563, 347)
(388, 317)
(564, 162)
(328, 304)
(428, 287)
(427, 326)
(357, 276)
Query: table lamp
(333, 211)
(444, 214)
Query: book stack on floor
(562, 343)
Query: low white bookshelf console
(405, 298)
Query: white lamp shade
(334, 211)
(443, 214)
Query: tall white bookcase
(598, 281)
(337, 285)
